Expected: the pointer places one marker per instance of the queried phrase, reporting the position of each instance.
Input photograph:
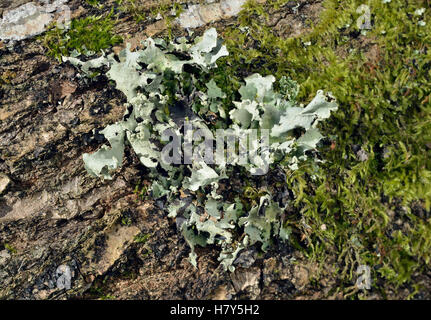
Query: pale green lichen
(157, 90)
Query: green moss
(133, 8)
(381, 79)
(141, 238)
(9, 248)
(165, 12)
(141, 190)
(99, 292)
(89, 34)
(94, 3)
(168, 10)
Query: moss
(94, 3)
(141, 11)
(381, 79)
(141, 190)
(141, 238)
(10, 248)
(166, 12)
(134, 8)
(99, 292)
(89, 34)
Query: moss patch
(89, 34)
(369, 202)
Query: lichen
(161, 93)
